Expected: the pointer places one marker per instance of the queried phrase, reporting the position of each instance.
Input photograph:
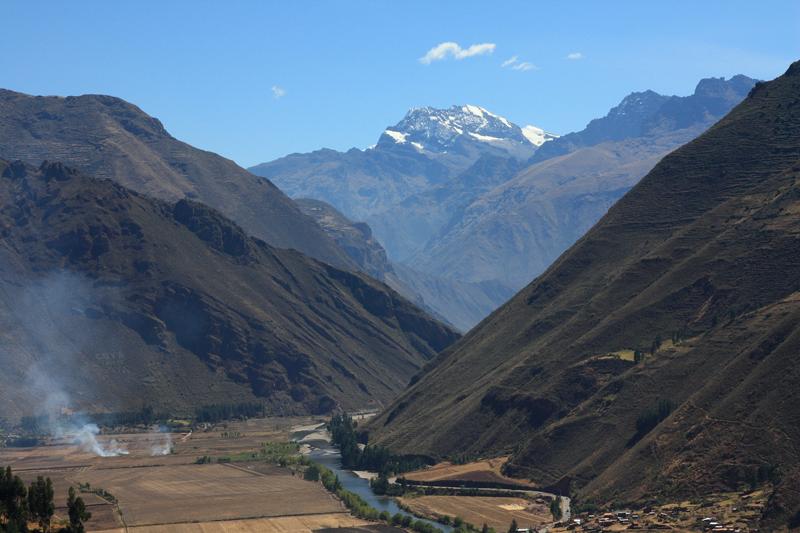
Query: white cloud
(450, 49)
(524, 65)
(508, 62)
(516, 64)
(575, 56)
(278, 92)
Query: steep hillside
(462, 303)
(512, 232)
(110, 300)
(355, 238)
(698, 268)
(110, 138)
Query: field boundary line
(242, 518)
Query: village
(719, 513)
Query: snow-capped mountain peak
(434, 130)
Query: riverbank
(316, 446)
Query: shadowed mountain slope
(118, 299)
(698, 268)
(107, 137)
(463, 304)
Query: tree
(13, 501)
(312, 473)
(513, 527)
(40, 502)
(77, 512)
(379, 485)
(656, 345)
(555, 508)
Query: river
(321, 451)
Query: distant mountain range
(111, 300)
(428, 147)
(463, 198)
(657, 358)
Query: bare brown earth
(202, 493)
(496, 512)
(283, 524)
(486, 471)
(172, 493)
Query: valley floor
(238, 492)
(154, 494)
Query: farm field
(173, 493)
(201, 493)
(496, 512)
(486, 471)
(283, 524)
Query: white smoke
(44, 309)
(86, 438)
(163, 445)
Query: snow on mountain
(537, 136)
(435, 130)
(397, 136)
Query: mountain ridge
(696, 268)
(108, 137)
(533, 216)
(176, 305)
(500, 220)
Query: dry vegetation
(282, 524)
(486, 471)
(200, 493)
(172, 493)
(496, 512)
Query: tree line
(20, 505)
(213, 413)
(373, 458)
(650, 418)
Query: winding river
(321, 451)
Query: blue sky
(343, 71)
